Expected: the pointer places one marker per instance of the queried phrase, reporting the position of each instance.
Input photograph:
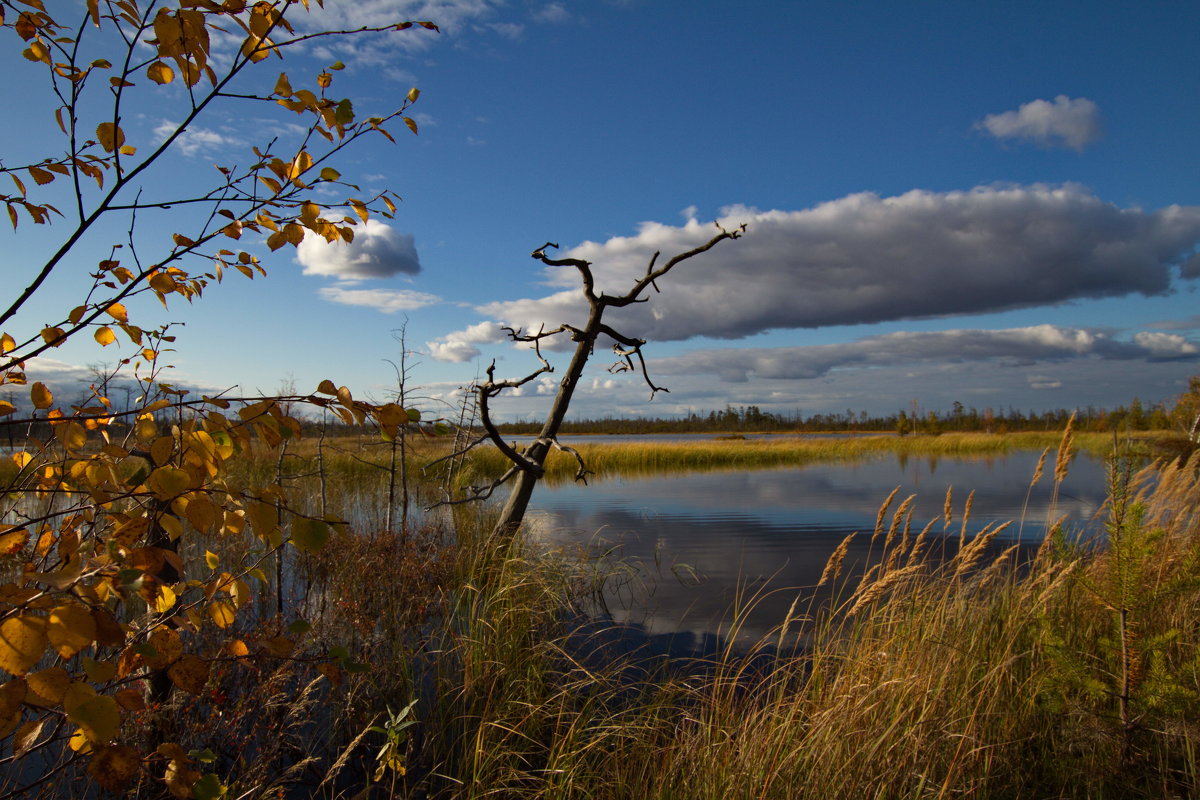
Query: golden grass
(642, 458)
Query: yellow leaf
(202, 514)
(300, 164)
(22, 642)
(169, 482)
(110, 136)
(160, 73)
(118, 312)
(41, 176)
(293, 233)
(237, 648)
(6, 408)
(413, 94)
(98, 717)
(283, 87)
(189, 673)
(171, 525)
(79, 742)
(411, 123)
(104, 336)
(130, 699)
(40, 395)
(162, 282)
(12, 542)
(222, 613)
(6, 343)
(70, 629)
(50, 686)
(73, 437)
(99, 671)
(162, 449)
(326, 387)
(165, 600)
(114, 768)
(212, 559)
(167, 648)
(56, 337)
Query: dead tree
(527, 463)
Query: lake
(698, 542)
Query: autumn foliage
(113, 597)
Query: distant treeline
(1134, 417)
(1182, 415)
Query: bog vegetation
(215, 596)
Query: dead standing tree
(527, 463)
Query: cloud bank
(1010, 347)
(1066, 122)
(868, 259)
(377, 251)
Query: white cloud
(196, 140)
(449, 15)
(386, 300)
(377, 251)
(867, 259)
(461, 345)
(1073, 123)
(552, 12)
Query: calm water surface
(699, 541)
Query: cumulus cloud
(867, 259)
(1066, 122)
(388, 301)
(1010, 347)
(377, 251)
(461, 345)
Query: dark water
(701, 544)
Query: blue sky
(991, 203)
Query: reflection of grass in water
(645, 458)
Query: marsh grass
(648, 458)
(948, 670)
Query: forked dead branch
(527, 462)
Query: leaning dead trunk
(528, 463)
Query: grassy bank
(644, 458)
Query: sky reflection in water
(743, 532)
